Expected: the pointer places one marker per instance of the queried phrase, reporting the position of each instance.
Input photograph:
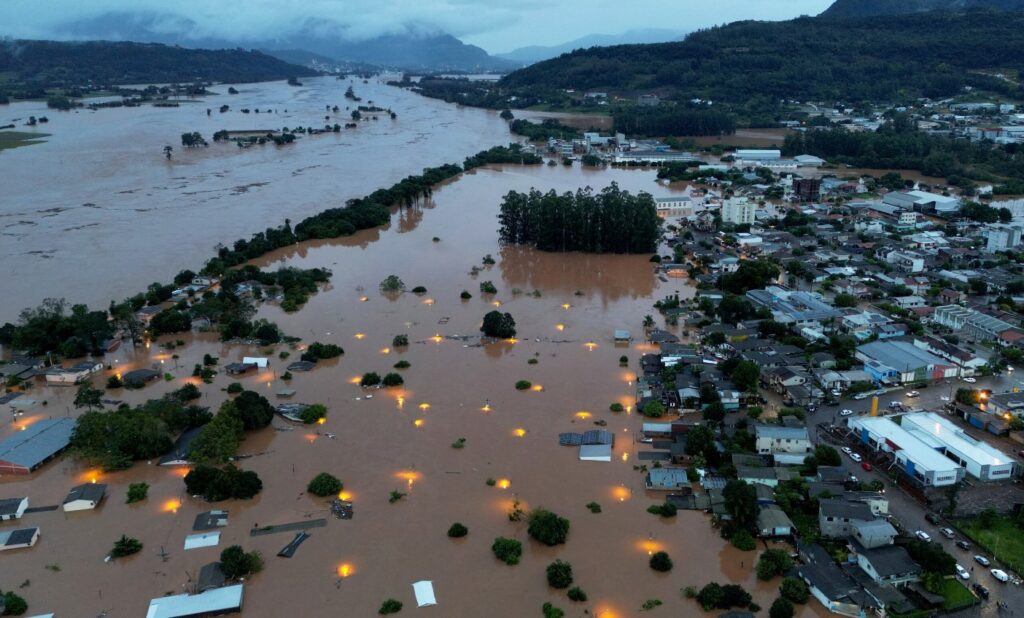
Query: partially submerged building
(12, 508)
(40, 442)
(18, 539)
(84, 497)
(212, 602)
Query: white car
(1000, 575)
(846, 413)
(962, 572)
(982, 560)
(970, 380)
(847, 450)
(944, 398)
(947, 532)
(856, 457)
(860, 396)
(921, 534)
(913, 394)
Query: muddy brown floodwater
(400, 439)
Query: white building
(12, 508)
(84, 497)
(981, 460)
(783, 441)
(906, 261)
(758, 155)
(1001, 237)
(680, 206)
(210, 603)
(738, 210)
(919, 460)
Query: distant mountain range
(874, 8)
(421, 51)
(41, 64)
(537, 53)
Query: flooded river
(96, 212)
(398, 439)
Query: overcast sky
(495, 25)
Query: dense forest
(810, 58)
(32, 65)
(671, 120)
(868, 8)
(898, 145)
(612, 221)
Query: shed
(424, 591)
(41, 441)
(210, 576)
(260, 361)
(139, 377)
(596, 452)
(17, 539)
(210, 520)
(772, 521)
(12, 508)
(84, 497)
(202, 539)
(302, 365)
(210, 603)
(623, 335)
(237, 369)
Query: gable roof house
(874, 533)
(18, 539)
(12, 508)
(836, 517)
(772, 522)
(84, 497)
(891, 565)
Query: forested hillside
(810, 58)
(868, 8)
(35, 64)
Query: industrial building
(919, 460)
(35, 445)
(980, 459)
(210, 603)
(901, 362)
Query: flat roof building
(919, 460)
(980, 459)
(899, 362)
(210, 603)
(40, 442)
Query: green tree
(125, 546)
(88, 396)
(559, 574)
(370, 379)
(741, 504)
(392, 284)
(324, 484)
(773, 562)
(653, 409)
(499, 325)
(746, 376)
(13, 604)
(507, 550)
(845, 300)
(137, 492)
(794, 589)
(236, 563)
(252, 409)
(660, 561)
(826, 455)
(392, 379)
(547, 527)
(781, 608)
(457, 531)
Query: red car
(866, 466)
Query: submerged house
(18, 539)
(213, 602)
(84, 497)
(12, 508)
(26, 450)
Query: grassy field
(14, 139)
(1004, 540)
(956, 595)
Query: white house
(12, 508)
(18, 539)
(66, 376)
(84, 497)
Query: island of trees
(611, 221)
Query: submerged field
(16, 139)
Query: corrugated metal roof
(39, 442)
(218, 600)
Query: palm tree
(648, 322)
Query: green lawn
(13, 139)
(1004, 540)
(956, 594)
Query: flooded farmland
(398, 439)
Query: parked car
(933, 518)
(982, 560)
(970, 380)
(846, 412)
(962, 572)
(860, 396)
(962, 544)
(913, 394)
(981, 591)
(947, 532)
(924, 536)
(944, 398)
(847, 450)
(1000, 575)
(866, 466)
(856, 457)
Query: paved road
(912, 514)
